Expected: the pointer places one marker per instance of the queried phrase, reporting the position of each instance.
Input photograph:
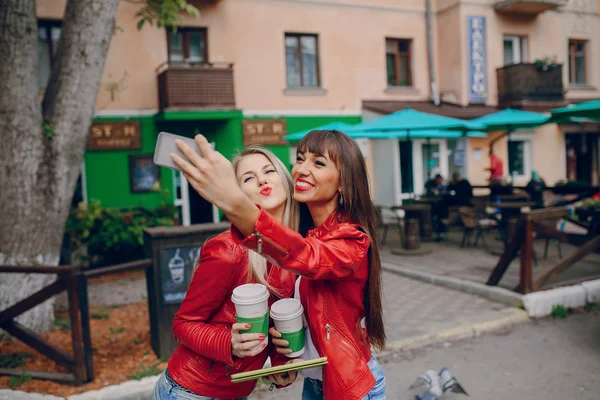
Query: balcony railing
(529, 83)
(196, 86)
(527, 7)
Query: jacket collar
(330, 223)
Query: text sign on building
(266, 132)
(477, 60)
(121, 135)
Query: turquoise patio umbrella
(418, 134)
(338, 126)
(410, 120)
(588, 109)
(409, 124)
(510, 119)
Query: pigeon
(437, 384)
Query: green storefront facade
(107, 173)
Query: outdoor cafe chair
(387, 217)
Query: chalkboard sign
(176, 265)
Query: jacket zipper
(328, 327)
(259, 245)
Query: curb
(493, 293)
(9, 394)
(462, 332)
(129, 390)
(540, 304)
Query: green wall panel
(107, 172)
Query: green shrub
(114, 236)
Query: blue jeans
(313, 388)
(167, 389)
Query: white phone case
(165, 146)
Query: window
(577, 54)
(48, 36)
(398, 53)
(302, 60)
(520, 156)
(187, 45)
(515, 50)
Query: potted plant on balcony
(546, 63)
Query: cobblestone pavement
(550, 359)
(413, 308)
(111, 293)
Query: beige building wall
(452, 51)
(547, 155)
(250, 34)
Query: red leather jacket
(334, 259)
(202, 362)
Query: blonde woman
(211, 347)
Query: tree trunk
(39, 166)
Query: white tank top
(310, 351)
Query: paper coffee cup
(252, 307)
(287, 315)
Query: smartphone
(165, 146)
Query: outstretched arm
(213, 177)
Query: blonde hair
(257, 264)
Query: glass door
(430, 158)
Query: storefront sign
(477, 60)
(266, 132)
(122, 135)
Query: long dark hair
(357, 207)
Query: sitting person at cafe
(463, 192)
(435, 186)
(535, 188)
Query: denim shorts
(313, 388)
(167, 389)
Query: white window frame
(527, 138)
(419, 183)
(184, 201)
(519, 43)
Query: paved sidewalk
(476, 264)
(552, 359)
(417, 312)
(128, 290)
